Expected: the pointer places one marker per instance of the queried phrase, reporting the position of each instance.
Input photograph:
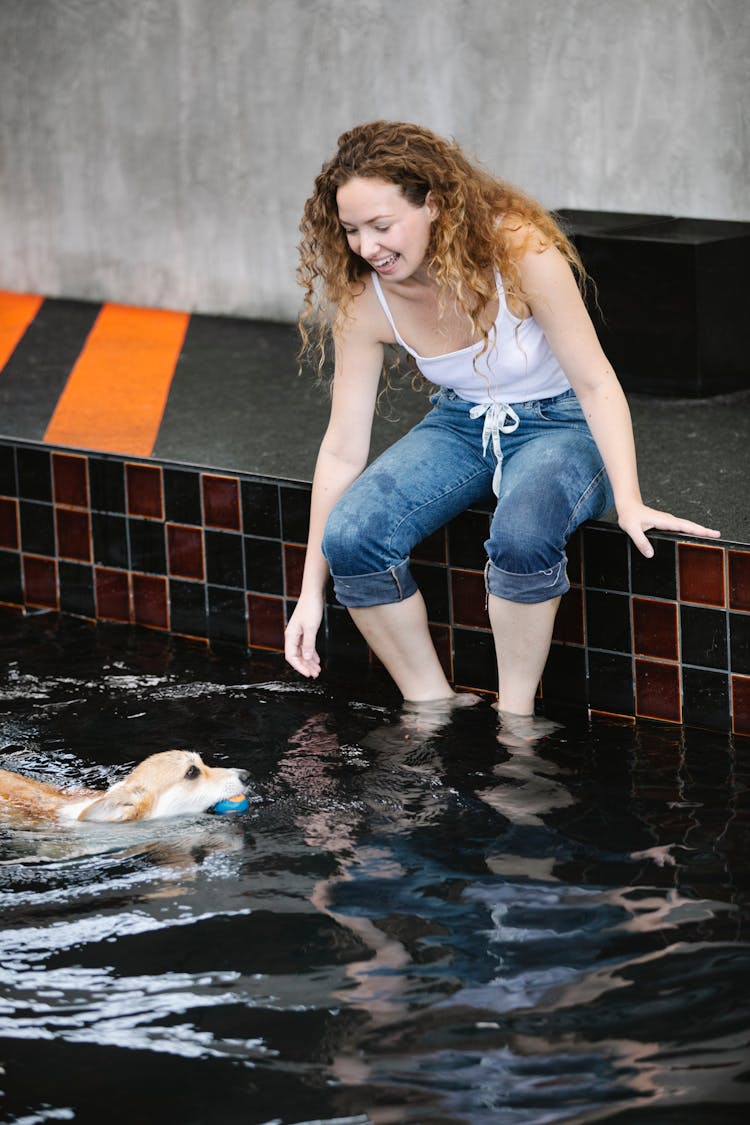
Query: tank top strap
(388, 313)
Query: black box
(672, 299)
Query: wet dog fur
(172, 783)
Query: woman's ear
(432, 208)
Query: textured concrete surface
(158, 152)
(261, 416)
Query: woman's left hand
(635, 521)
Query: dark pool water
(412, 923)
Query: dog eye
(192, 773)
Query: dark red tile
(741, 704)
(739, 579)
(144, 488)
(655, 628)
(185, 547)
(469, 596)
(112, 594)
(701, 571)
(294, 561)
(150, 601)
(657, 690)
(40, 581)
(569, 620)
(221, 502)
(432, 549)
(265, 618)
(70, 477)
(73, 535)
(9, 524)
(441, 638)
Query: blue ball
(232, 805)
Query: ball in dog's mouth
(236, 804)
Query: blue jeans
(552, 480)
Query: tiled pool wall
(217, 556)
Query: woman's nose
(368, 246)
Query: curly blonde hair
(483, 224)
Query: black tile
(37, 528)
(77, 589)
(187, 608)
(260, 509)
(705, 699)
(343, 646)
(34, 474)
(474, 661)
(433, 583)
(264, 571)
(605, 559)
(147, 548)
(227, 616)
(110, 540)
(611, 683)
(295, 514)
(466, 538)
(106, 484)
(704, 636)
(739, 642)
(224, 559)
(564, 677)
(11, 584)
(182, 497)
(656, 577)
(608, 621)
(8, 485)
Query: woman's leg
(523, 634)
(431, 475)
(399, 636)
(553, 480)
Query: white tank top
(518, 365)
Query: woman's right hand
(301, 633)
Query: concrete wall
(158, 152)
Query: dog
(172, 783)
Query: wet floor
(413, 922)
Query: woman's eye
(192, 773)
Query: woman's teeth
(385, 261)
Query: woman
(414, 245)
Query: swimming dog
(171, 783)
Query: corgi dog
(172, 783)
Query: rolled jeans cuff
(385, 586)
(527, 588)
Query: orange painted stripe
(17, 310)
(116, 393)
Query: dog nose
(243, 775)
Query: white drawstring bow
(499, 418)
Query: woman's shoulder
(520, 235)
(364, 316)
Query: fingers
(648, 518)
(300, 651)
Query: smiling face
(383, 227)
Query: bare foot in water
(523, 730)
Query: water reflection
(416, 921)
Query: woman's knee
(353, 540)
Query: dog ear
(117, 805)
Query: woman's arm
(342, 457)
(558, 308)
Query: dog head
(172, 783)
